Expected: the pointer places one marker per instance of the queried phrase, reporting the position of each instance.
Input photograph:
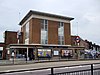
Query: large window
(61, 33)
(27, 33)
(44, 31)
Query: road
(44, 65)
(57, 70)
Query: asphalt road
(59, 70)
(45, 65)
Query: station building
(2, 48)
(43, 35)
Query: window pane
(44, 31)
(61, 33)
(59, 25)
(27, 31)
(42, 21)
(46, 22)
(46, 27)
(42, 26)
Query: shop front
(43, 52)
(66, 53)
(1, 52)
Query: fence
(82, 69)
(89, 71)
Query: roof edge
(45, 14)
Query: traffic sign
(77, 39)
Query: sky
(86, 14)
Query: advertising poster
(44, 52)
(66, 53)
(56, 52)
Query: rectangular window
(27, 33)
(61, 33)
(44, 31)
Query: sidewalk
(17, 67)
(23, 61)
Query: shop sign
(1, 48)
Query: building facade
(45, 35)
(43, 28)
(2, 50)
(80, 42)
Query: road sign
(77, 39)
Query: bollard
(13, 59)
(52, 71)
(91, 69)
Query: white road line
(25, 71)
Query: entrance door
(31, 54)
(0, 54)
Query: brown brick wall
(52, 32)
(67, 33)
(21, 38)
(36, 31)
(31, 31)
(73, 41)
(10, 37)
(82, 42)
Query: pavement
(23, 61)
(34, 66)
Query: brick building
(44, 35)
(2, 50)
(81, 42)
(10, 37)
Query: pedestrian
(26, 56)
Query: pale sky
(85, 12)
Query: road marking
(25, 71)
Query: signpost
(13, 56)
(77, 40)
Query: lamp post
(13, 56)
(18, 35)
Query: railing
(81, 69)
(90, 71)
